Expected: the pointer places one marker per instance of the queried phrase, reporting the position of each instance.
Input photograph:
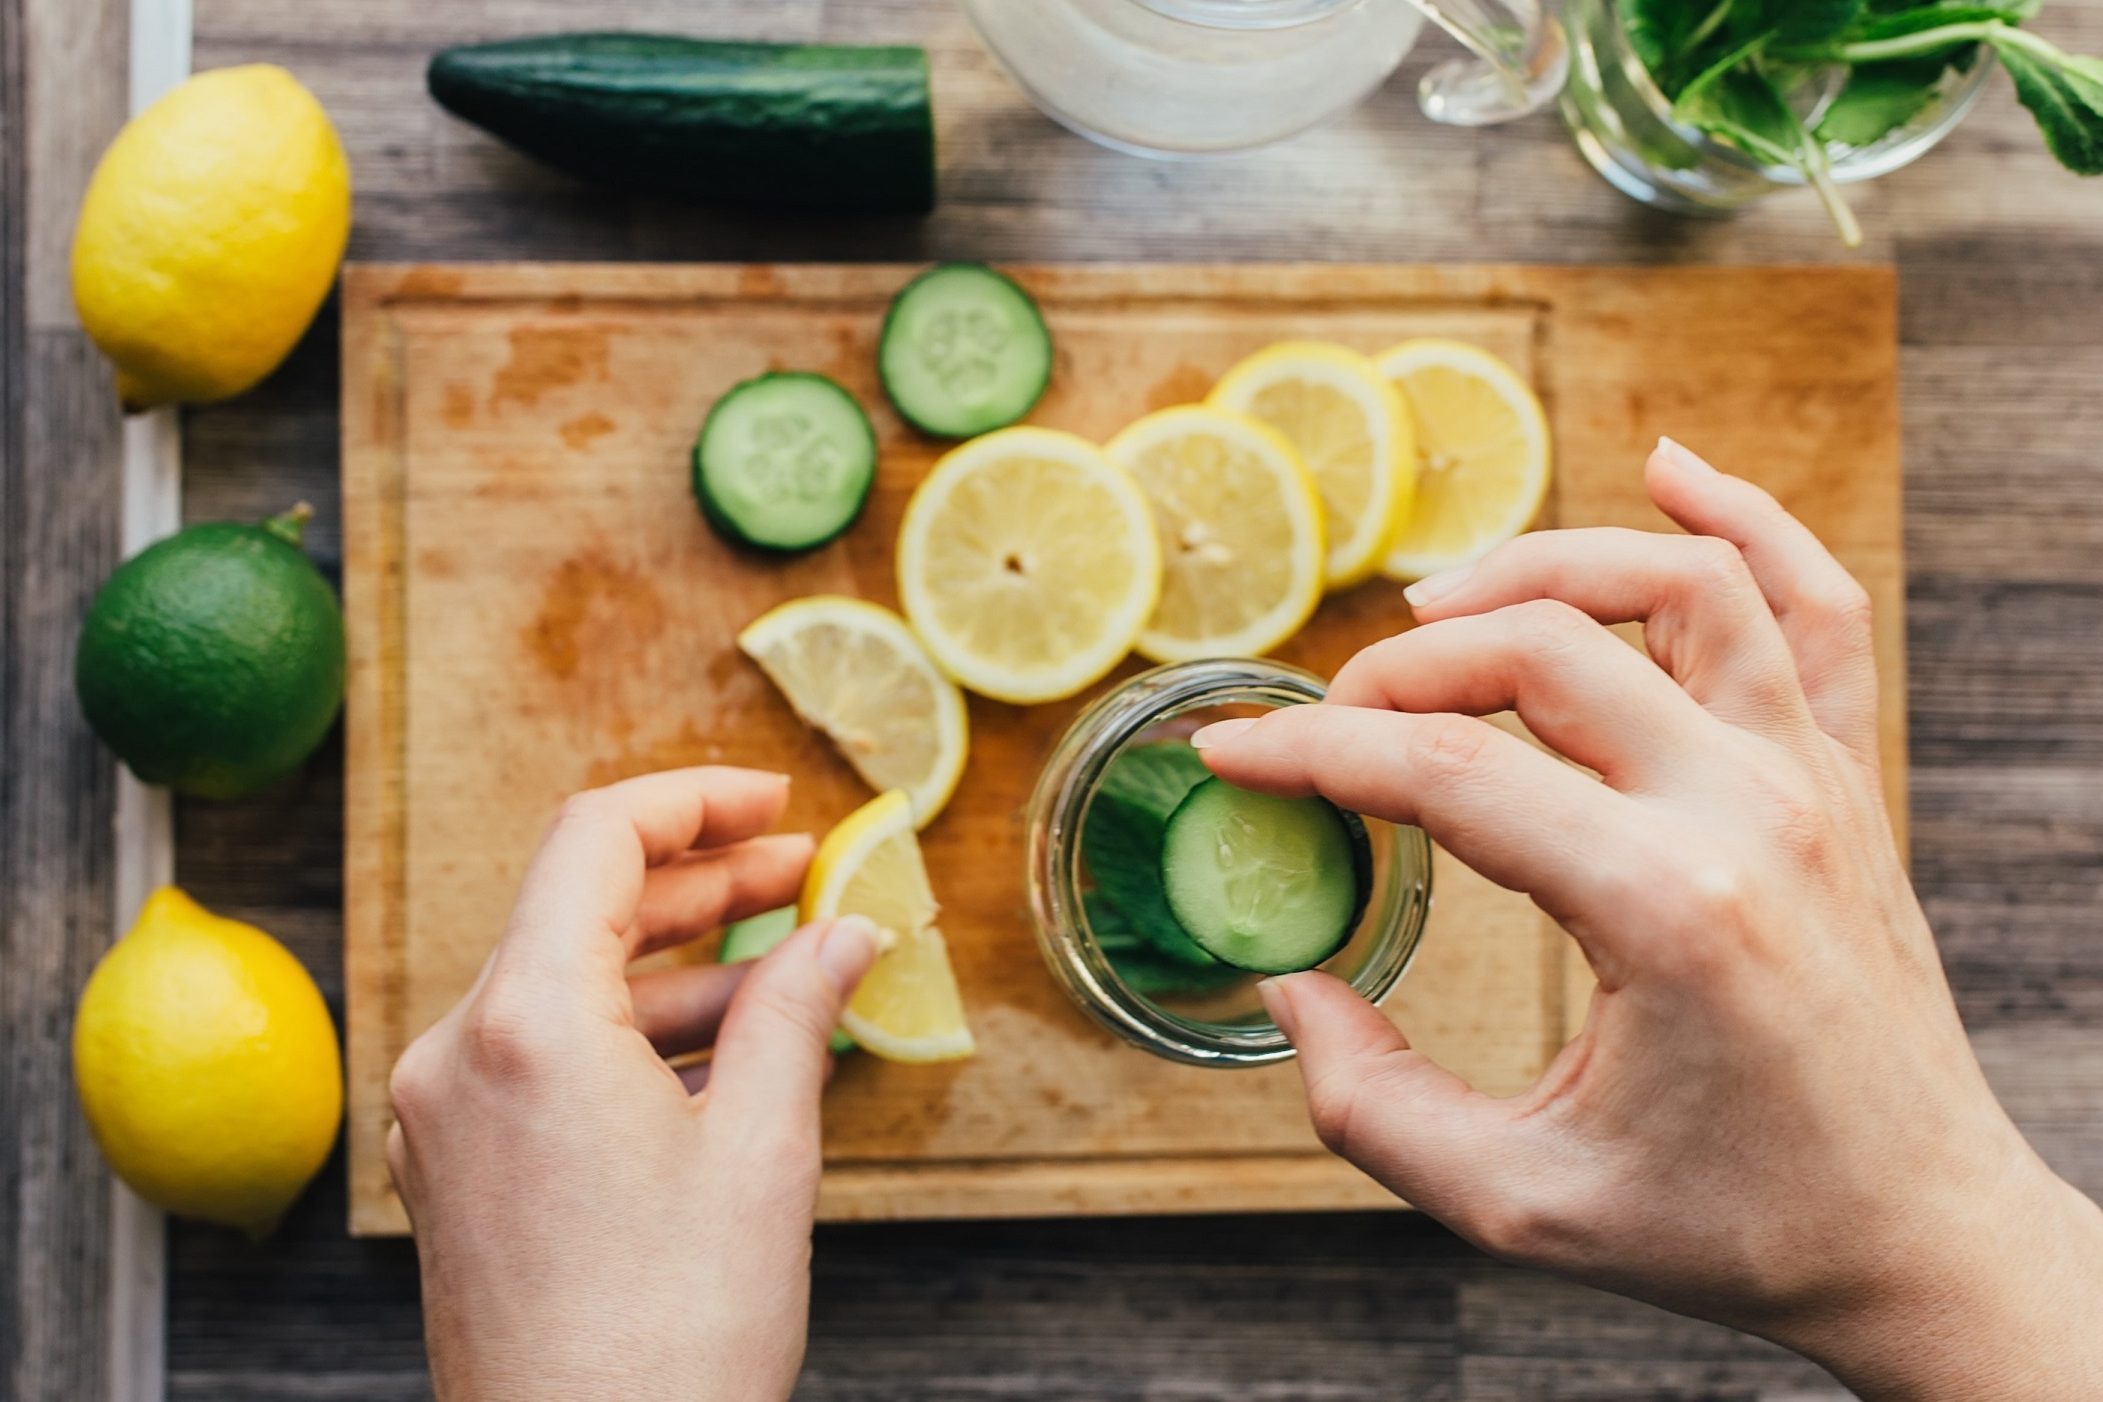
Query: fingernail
(1219, 732)
(1277, 1001)
(849, 946)
(1434, 587)
(1681, 456)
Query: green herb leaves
(1785, 80)
(2066, 97)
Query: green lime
(212, 662)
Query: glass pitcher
(1211, 77)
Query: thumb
(768, 1070)
(1411, 1124)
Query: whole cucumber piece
(773, 126)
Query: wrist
(1994, 1296)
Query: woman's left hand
(591, 1222)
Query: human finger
(1822, 610)
(1580, 689)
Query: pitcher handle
(1520, 58)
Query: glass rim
(1858, 163)
(1059, 805)
(1248, 14)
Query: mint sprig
(1743, 70)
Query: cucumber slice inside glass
(1271, 885)
(784, 462)
(756, 935)
(964, 351)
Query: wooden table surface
(2001, 263)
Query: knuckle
(1554, 626)
(501, 1038)
(413, 1084)
(583, 808)
(1514, 1225)
(1717, 566)
(1345, 1101)
(1446, 746)
(1846, 607)
(1333, 1101)
(774, 999)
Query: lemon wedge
(1240, 523)
(908, 1007)
(1352, 429)
(855, 671)
(1027, 564)
(1482, 455)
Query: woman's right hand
(1772, 1117)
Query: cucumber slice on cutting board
(757, 935)
(784, 462)
(782, 126)
(1272, 885)
(963, 351)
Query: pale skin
(1771, 1119)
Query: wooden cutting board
(535, 607)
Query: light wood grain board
(536, 607)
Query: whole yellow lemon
(210, 235)
(208, 1066)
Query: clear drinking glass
(1624, 126)
(1209, 77)
(1225, 1025)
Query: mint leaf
(1735, 103)
(1132, 953)
(1121, 843)
(1879, 99)
(1809, 21)
(1919, 19)
(2066, 97)
(1664, 32)
(1153, 778)
(1698, 97)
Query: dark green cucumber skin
(765, 126)
(1362, 883)
(724, 525)
(891, 315)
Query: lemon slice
(908, 1007)
(1353, 431)
(1241, 532)
(855, 671)
(1027, 564)
(1482, 455)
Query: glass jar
(1624, 126)
(1210, 77)
(1225, 1026)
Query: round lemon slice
(908, 1007)
(1027, 564)
(1482, 455)
(855, 671)
(1242, 551)
(1352, 429)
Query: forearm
(2006, 1305)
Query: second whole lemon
(207, 1066)
(210, 234)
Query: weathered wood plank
(62, 92)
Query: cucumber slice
(1272, 885)
(964, 351)
(784, 461)
(757, 935)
